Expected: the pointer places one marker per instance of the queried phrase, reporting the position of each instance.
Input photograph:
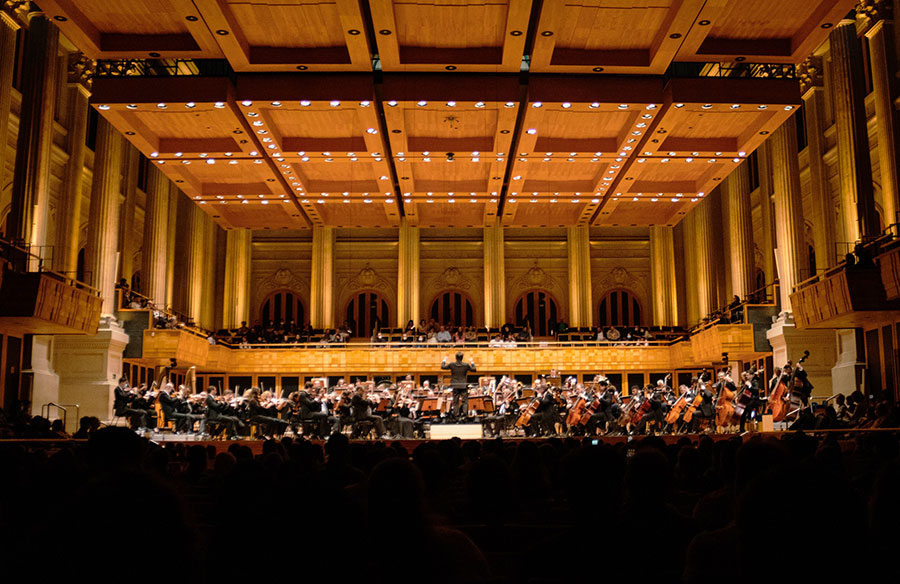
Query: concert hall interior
(527, 224)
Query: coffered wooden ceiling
(447, 112)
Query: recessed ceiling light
(679, 105)
(479, 104)
(161, 106)
(595, 105)
(422, 103)
(219, 104)
(371, 131)
(305, 102)
(566, 105)
(334, 103)
(132, 106)
(531, 131)
(537, 104)
(365, 103)
(451, 104)
(762, 107)
(706, 106)
(392, 103)
(509, 104)
(623, 106)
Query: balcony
(42, 302)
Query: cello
(779, 399)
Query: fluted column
(821, 206)
(767, 245)
(321, 297)
(8, 32)
(791, 249)
(494, 277)
(156, 221)
(740, 230)
(174, 195)
(208, 295)
(883, 65)
(103, 225)
(68, 222)
(131, 162)
(579, 244)
(662, 276)
(848, 102)
(408, 275)
(195, 260)
(237, 277)
(703, 254)
(29, 216)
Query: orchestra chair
(216, 429)
(309, 427)
(361, 429)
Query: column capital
(17, 12)
(811, 74)
(873, 11)
(81, 71)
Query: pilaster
(237, 277)
(322, 278)
(494, 277)
(408, 275)
(580, 308)
(662, 276)
(740, 231)
(156, 223)
(883, 65)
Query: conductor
(458, 381)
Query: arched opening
(283, 305)
(539, 309)
(619, 308)
(367, 311)
(453, 307)
(79, 266)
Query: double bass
(725, 402)
(745, 396)
(780, 398)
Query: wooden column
(662, 276)
(68, 222)
(237, 277)
(883, 65)
(103, 225)
(791, 248)
(174, 196)
(848, 102)
(767, 243)
(29, 216)
(195, 261)
(740, 231)
(321, 297)
(822, 208)
(494, 277)
(131, 159)
(408, 275)
(579, 244)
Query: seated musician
(171, 409)
(707, 410)
(606, 413)
(751, 384)
(544, 420)
(217, 412)
(123, 405)
(264, 417)
(362, 412)
(311, 409)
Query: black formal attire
(310, 409)
(497, 422)
(217, 412)
(403, 425)
(754, 403)
(123, 405)
(544, 418)
(362, 412)
(706, 410)
(263, 418)
(460, 383)
(655, 413)
(172, 411)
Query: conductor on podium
(458, 381)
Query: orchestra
(503, 406)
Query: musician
(263, 416)
(507, 407)
(655, 416)
(309, 408)
(707, 409)
(173, 410)
(544, 420)
(362, 411)
(751, 384)
(802, 385)
(459, 382)
(123, 405)
(217, 412)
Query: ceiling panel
(134, 29)
(585, 36)
(763, 31)
(289, 35)
(464, 35)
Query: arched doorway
(453, 307)
(283, 305)
(619, 308)
(365, 311)
(540, 309)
